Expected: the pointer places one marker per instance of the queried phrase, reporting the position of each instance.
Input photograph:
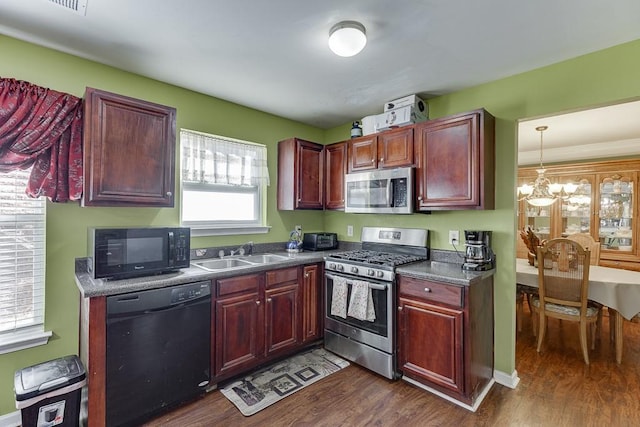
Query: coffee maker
(478, 255)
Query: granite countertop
(444, 268)
(90, 287)
(446, 272)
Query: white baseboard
(12, 419)
(471, 408)
(507, 380)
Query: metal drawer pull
(427, 289)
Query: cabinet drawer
(284, 275)
(236, 285)
(431, 291)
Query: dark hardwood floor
(556, 389)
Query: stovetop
(376, 258)
(377, 265)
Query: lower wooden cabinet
(281, 325)
(445, 336)
(239, 340)
(262, 316)
(312, 303)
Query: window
(223, 184)
(22, 264)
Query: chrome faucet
(242, 251)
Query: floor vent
(75, 6)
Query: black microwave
(121, 253)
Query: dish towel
(339, 297)
(361, 302)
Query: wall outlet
(454, 237)
(350, 230)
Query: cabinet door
(239, 340)
(282, 321)
(129, 151)
(431, 346)
(300, 175)
(311, 303)
(363, 153)
(395, 148)
(455, 162)
(310, 176)
(335, 168)
(616, 213)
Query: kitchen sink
(222, 264)
(243, 261)
(264, 258)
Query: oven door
(377, 333)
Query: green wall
(598, 78)
(603, 77)
(67, 223)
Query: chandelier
(542, 192)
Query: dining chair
(563, 281)
(588, 242)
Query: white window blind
(22, 259)
(213, 159)
(223, 184)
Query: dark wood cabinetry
(300, 175)
(390, 149)
(262, 316)
(445, 335)
(335, 170)
(455, 162)
(238, 316)
(282, 310)
(312, 302)
(129, 151)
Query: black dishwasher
(158, 350)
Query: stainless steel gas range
(360, 292)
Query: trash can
(49, 394)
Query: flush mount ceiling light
(347, 38)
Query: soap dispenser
(295, 240)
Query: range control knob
(380, 273)
(332, 266)
(370, 272)
(340, 267)
(354, 270)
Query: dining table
(617, 289)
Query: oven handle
(376, 286)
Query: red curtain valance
(42, 128)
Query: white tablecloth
(611, 287)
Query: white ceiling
(273, 55)
(600, 132)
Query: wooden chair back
(588, 242)
(563, 274)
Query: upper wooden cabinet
(335, 170)
(300, 175)
(455, 162)
(129, 151)
(390, 149)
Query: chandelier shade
(542, 192)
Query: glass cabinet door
(616, 212)
(577, 208)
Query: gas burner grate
(377, 258)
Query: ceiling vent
(76, 6)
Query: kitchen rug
(267, 386)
